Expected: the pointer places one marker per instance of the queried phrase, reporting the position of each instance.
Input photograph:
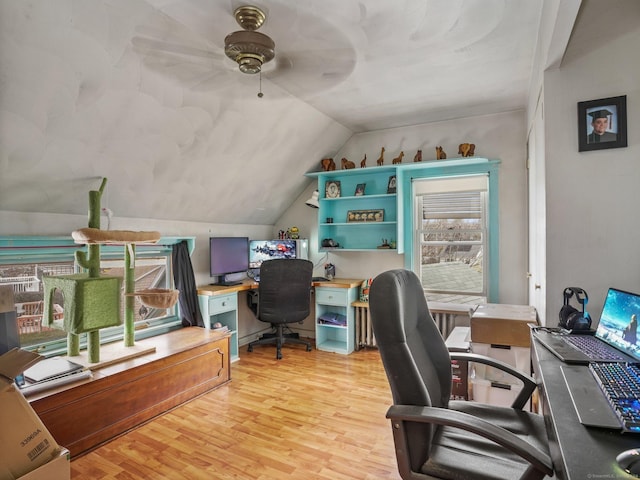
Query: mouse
(629, 461)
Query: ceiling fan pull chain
(260, 94)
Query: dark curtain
(185, 282)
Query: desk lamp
(313, 201)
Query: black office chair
(284, 295)
(435, 437)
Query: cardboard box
(26, 442)
(502, 324)
(57, 469)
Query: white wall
(592, 197)
(21, 223)
(500, 137)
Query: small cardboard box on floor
(27, 450)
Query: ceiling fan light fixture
(248, 48)
(249, 63)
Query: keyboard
(620, 383)
(593, 347)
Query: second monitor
(261, 250)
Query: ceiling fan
(312, 56)
(249, 48)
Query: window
(451, 237)
(24, 261)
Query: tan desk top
(251, 285)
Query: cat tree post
(91, 263)
(129, 284)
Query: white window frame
(448, 168)
(472, 192)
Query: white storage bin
(494, 393)
(517, 357)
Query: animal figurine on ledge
(380, 160)
(466, 149)
(440, 153)
(328, 164)
(363, 162)
(418, 156)
(398, 159)
(347, 164)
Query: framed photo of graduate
(602, 123)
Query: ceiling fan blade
(150, 46)
(305, 73)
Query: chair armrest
(528, 387)
(398, 414)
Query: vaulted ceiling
(141, 92)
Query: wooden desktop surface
(251, 285)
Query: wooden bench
(186, 363)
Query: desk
(578, 452)
(219, 303)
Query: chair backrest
(284, 292)
(413, 351)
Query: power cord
(322, 260)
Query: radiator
(364, 331)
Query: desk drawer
(223, 303)
(332, 296)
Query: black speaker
(570, 317)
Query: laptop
(614, 341)
(51, 368)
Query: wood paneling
(311, 415)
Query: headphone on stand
(571, 318)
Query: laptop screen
(619, 321)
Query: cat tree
(91, 300)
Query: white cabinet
(222, 308)
(335, 320)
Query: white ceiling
(141, 92)
(376, 64)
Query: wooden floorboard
(311, 415)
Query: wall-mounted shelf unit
(380, 207)
(396, 226)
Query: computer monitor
(261, 250)
(228, 255)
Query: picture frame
(360, 189)
(602, 123)
(362, 216)
(332, 189)
(391, 186)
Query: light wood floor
(311, 415)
